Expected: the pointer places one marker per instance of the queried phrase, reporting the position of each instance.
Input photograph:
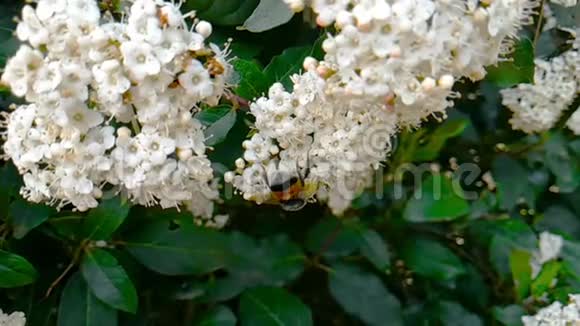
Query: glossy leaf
(253, 83)
(438, 199)
(332, 237)
(509, 315)
(218, 316)
(271, 261)
(432, 260)
(429, 150)
(454, 314)
(27, 216)
(108, 280)
(546, 279)
(218, 131)
(375, 249)
(267, 15)
(186, 250)
(272, 306)
(15, 270)
(79, 307)
(105, 219)
(512, 182)
(519, 70)
(364, 296)
(521, 272)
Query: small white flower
(16, 318)
(196, 80)
(75, 114)
(139, 59)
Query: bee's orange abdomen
(289, 193)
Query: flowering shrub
(290, 162)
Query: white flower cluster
(16, 318)
(112, 103)
(537, 107)
(556, 314)
(550, 246)
(390, 65)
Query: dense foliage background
(395, 258)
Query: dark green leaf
(566, 16)
(520, 70)
(332, 237)
(512, 182)
(209, 116)
(218, 131)
(266, 306)
(509, 235)
(430, 150)
(271, 261)
(15, 271)
(222, 12)
(571, 255)
(267, 15)
(253, 83)
(79, 307)
(432, 260)
(563, 165)
(363, 295)
(509, 315)
(521, 272)
(374, 248)
(546, 279)
(454, 314)
(103, 220)
(108, 280)
(188, 249)
(438, 199)
(561, 220)
(26, 216)
(218, 316)
(288, 63)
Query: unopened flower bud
(229, 176)
(446, 81)
(204, 28)
(123, 132)
(428, 84)
(184, 154)
(310, 64)
(240, 163)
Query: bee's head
(293, 205)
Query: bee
(214, 67)
(291, 191)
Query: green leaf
(571, 255)
(108, 280)
(218, 131)
(364, 296)
(558, 218)
(374, 248)
(253, 83)
(266, 306)
(566, 16)
(26, 216)
(521, 272)
(509, 235)
(222, 12)
(563, 165)
(211, 115)
(289, 62)
(512, 182)
(218, 316)
(105, 219)
(15, 271)
(432, 260)
(271, 261)
(519, 70)
(545, 280)
(79, 307)
(186, 250)
(332, 237)
(267, 15)
(454, 314)
(437, 200)
(436, 141)
(509, 315)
